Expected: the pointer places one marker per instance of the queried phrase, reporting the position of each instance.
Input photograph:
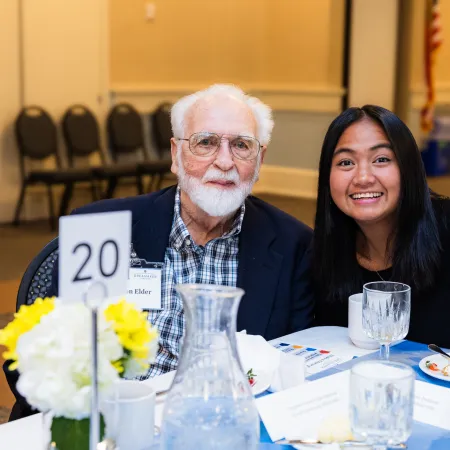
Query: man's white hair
(261, 112)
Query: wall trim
(418, 95)
(311, 98)
(287, 181)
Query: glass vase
(61, 433)
(210, 404)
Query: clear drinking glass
(381, 402)
(210, 405)
(386, 310)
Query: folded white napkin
(285, 370)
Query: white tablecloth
(27, 434)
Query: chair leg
(65, 199)
(94, 190)
(19, 204)
(112, 183)
(139, 185)
(151, 183)
(51, 207)
(159, 180)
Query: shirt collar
(179, 235)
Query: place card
(300, 411)
(432, 405)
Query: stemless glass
(386, 310)
(381, 402)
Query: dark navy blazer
(273, 260)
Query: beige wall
(443, 61)
(373, 55)
(288, 53)
(62, 57)
(250, 42)
(63, 48)
(10, 103)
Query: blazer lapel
(150, 233)
(258, 272)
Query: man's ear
(263, 152)
(173, 152)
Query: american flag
(433, 40)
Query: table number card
(94, 253)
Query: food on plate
(432, 366)
(435, 368)
(335, 428)
(251, 377)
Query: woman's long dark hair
(415, 247)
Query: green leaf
(72, 434)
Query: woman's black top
(430, 309)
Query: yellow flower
(133, 330)
(24, 320)
(118, 365)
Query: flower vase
(61, 433)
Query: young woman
(378, 220)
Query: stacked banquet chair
(82, 137)
(37, 140)
(161, 132)
(126, 136)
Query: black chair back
(36, 134)
(37, 279)
(81, 133)
(162, 130)
(125, 130)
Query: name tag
(144, 286)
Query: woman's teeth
(366, 195)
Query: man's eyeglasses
(206, 144)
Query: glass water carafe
(210, 404)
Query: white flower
(55, 361)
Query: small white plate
(263, 380)
(440, 361)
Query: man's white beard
(216, 202)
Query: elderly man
(209, 230)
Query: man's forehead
(223, 115)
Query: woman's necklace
(368, 264)
(378, 273)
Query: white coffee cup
(355, 329)
(131, 415)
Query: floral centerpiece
(49, 343)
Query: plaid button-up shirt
(187, 262)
